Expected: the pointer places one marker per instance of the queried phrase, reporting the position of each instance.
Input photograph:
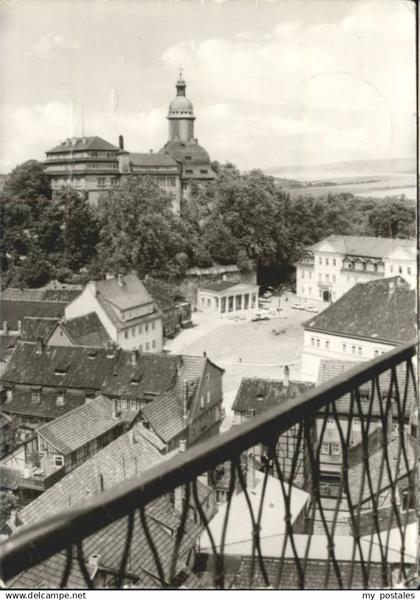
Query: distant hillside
(381, 165)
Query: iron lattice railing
(315, 493)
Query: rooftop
(59, 366)
(48, 406)
(257, 395)
(221, 286)
(363, 245)
(124, 292)
(41, 294)
(86, 330)
(77, 144)
(382, 310)
(35, 328)
(12, 311)
(81, 425)
(152, 159)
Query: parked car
(259, 316)
(298, 306)
(312, 309)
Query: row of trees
(245, 219)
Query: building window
(208, 397)
(202, 401)
(58, 460)
(230, 303)
(335, 448)
(408, 270)
(312, 341)
(334, 262)
(327, 262)
(139, 329)
(408, 500)
(146, 327)
(126, 334)
(359, 351)
(36, 397)
(147, 346)
(101, 181)
(376, 353)
(334, 278)
(353, 349)
(317, 343)
(60, 400)
(303, 274)
(153, 343)
(325, 448)
(344, 347)
(132, 405)
(330, 423)
(153, 324)
(223, 305)
(327, 344)
(391, 268)
(320, 260)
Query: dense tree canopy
(28, 182)
(139, 230)
(247, 219)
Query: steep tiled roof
(383, 310)
(35, 328)
(86, 330)
(130, 294)
(329, 369)
(165, 415)
(13, 311)
(261, 394)
(22, 403)
(149, 376)
(316, 573)
(152, 159)
(58, 295)
(120, 460)
(9, 478)
(41, 294)
(363, 245)
(84, 143)
(81, 425)
(59, 366)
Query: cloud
(51, 43)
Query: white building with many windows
(367, 321)
(329, 269)
(126, 310)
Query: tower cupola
(181, 115)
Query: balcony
(298, 527)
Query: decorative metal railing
(291, 517)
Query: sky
(273, 82)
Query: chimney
(250, 471)
(120, 280)
(132, 437)
(93, 564)
(151, 151)
(5, 327)
(179, 491)
(101, 482)
(134, 355)
(286, 377)
(205, 353)
(121, 142)
(40, 346)
(116, 413)
(185, 401)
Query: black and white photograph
(208, 297)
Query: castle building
(93, 165)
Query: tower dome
(181, 106)
(181, 115)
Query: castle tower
(181, 115)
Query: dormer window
(36, 397)
(61, 368)
(9, 395)
(60, 400)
